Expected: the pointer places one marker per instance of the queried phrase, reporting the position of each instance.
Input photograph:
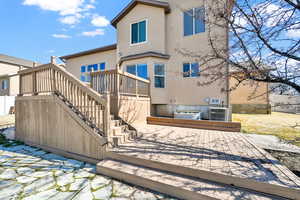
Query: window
(4, 84)
(138, 32)
(86, 70)
(140, 70)
(102, 66)
(194, 21)
(191, 70)
(159, 76)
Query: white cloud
(51, 51)
(294, 31)
(71, 19)
(272, 14)
(93, 33)
(71, 10)
(64, 7)
(63, 36)
(99, 21)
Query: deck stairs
(187, 183)
(121, 132)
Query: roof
(15, 61)
(145, 54)
(133, 3)
(91, 51)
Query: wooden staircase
(121, 132)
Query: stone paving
(32, 174)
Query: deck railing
(87, 103)
(118, 82)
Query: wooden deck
(215, 151)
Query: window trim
(86, 73)
(194, 21)
(190, 70)
(136, 71)
(4, 82)
(164, 76)
(130, 33)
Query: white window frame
(87, 73)
(194, 21)
(5, 83)
(164, 76)
(190, 70)
(130, 34)
(135, 65)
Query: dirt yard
(285, 126)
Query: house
(150, 34)
(250, 97)
(287, 103)
(57, 112)
(9, 80)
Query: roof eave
(88, 52)
(133, 3)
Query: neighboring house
(285, 103)
(9, 67)
(250, 97)
(149, 35)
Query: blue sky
(37, 29)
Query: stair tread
(187, 183)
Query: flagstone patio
(29, 173)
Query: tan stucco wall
(249, 92)
(7, 69)
(178, 90)
(109, 57)
(14, 85)
(155, 19)
(165, 35)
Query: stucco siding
(249, 92)
(156, 34)
(165, 35)
(13, 81)
(14, 85)
(6, 69)
(109, 57)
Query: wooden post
(52, 75)
(107, 117)
(118, 96)
(53, 59)
(136, 89)
(34, 89)
(20, 85)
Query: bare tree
(263, 45)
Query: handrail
(114, 71)
(50, 78)
(120, 83)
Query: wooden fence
(118, 82)
(54, 79)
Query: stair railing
(120, 83)
(51, 79)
